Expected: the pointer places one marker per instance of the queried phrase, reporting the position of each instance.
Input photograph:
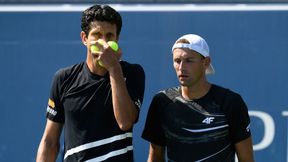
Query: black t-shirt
(205, 129)
(83, 101)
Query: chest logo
(208, 120)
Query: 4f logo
(208, 120)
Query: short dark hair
(100, 13)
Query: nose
(181, 66)
(103, 38)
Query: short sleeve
(153, 131)
(55, 111)
(135, 82)
(238, 118)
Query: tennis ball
(100, 63)
(94, 48)
(113, 45)
(101, 41)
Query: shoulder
(163, 98)
(65, 72)
(129, 67)
(225, 91)
(228, 96)
(169, 93)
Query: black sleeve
(135, 83)
(55, 111)
(238, 118)
(153, 131)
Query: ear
(83, 37)
(207, 62)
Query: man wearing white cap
(197, 121)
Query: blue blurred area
(248, 49)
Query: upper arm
(244, 150)
(153, 131)
(52, 130)
(51, 135)
(156, 153)
(238, 118)
(50, 142)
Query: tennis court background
(248, 49)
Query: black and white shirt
(205, 129)
(82, 101)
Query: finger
(119, 53)
(96, 53)
(102, 43)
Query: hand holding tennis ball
(112, 44)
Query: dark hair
(100, 13)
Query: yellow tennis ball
(101, 41)
(113, 45)
(100, 63)
(94, 48)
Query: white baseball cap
(198, 44)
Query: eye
(178, 61)
(191, 60)
(110, 36)
(96, 35)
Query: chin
(182, 83)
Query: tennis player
(197, 121)
(96, 104)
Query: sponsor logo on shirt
(248, 128)
(208, 120)
(51, 111)
(51, 103)
(138, 103)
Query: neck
(196, 91)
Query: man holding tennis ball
(97, 102)
(96, 50)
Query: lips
(182, 76)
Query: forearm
(47, 152)
(124, 109)
(246, 160)
(156, 153)
(155, 159)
